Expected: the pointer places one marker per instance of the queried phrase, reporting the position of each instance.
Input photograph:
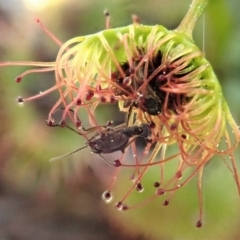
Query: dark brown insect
(112, 140)
(109, 140)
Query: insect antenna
(67, 154)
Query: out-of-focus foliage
(27, 143)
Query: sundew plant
(164, 84)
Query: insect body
(111, 141)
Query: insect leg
(105, 160)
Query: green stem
(193, 14)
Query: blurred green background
(62, 200)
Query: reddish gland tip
(49, 123)
(178, 174)
(139, 187)
(112, 99)
(109, 123)
(121, 207)
(156, 184)
(184, 136)
(106, 13)
(173, 127)
(107, 195)
(78, 124)
(103, 99)
(62, 123)
(79, 102)
(152, 125)
(117, 163)
(19, 100)
(18, 79)
(160, 192)
(89, 95)
(165, 203)
(199, 224)
(124, 207)
(37, 20)
(118, 205)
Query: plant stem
(193, 14)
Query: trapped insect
(107, 140)
(112, 140)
